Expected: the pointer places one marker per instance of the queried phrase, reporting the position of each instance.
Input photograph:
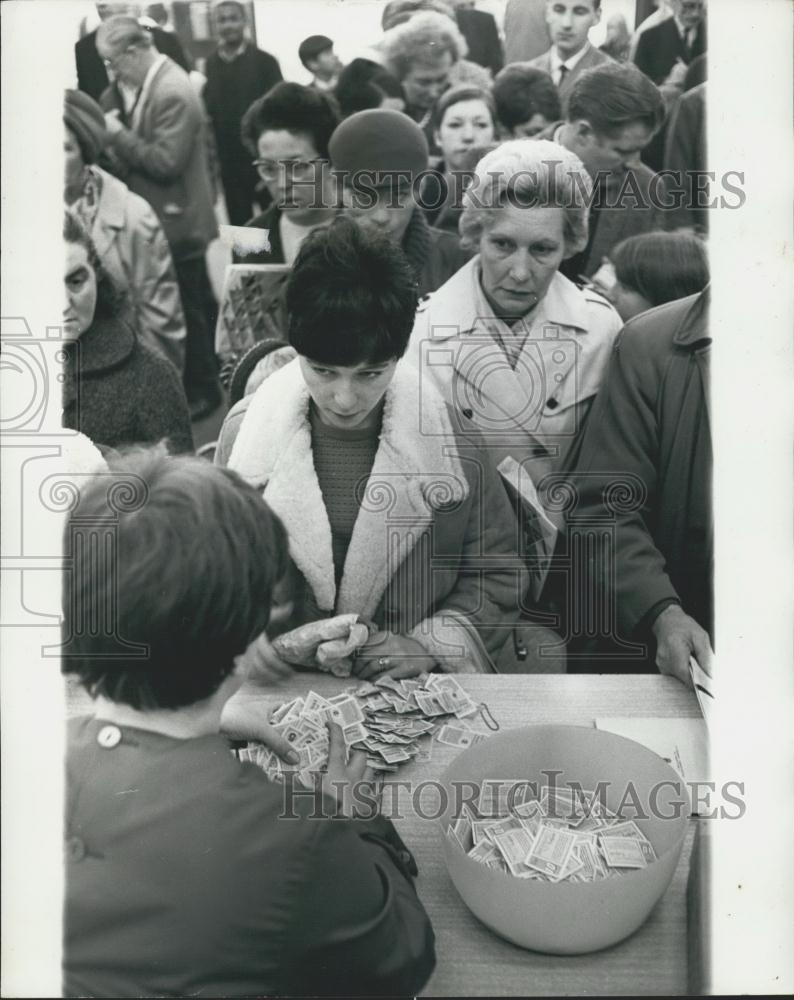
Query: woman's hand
(262, 664)
(352, 784)
(388, 655)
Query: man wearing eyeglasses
(675, 41)
(158, 136)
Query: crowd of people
(478, 418)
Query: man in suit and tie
(679, 39)
(158, 136)
(569, 23)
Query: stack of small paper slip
(386, 718)
(562, 834)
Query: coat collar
(111, 216)
(694, 330)
(413, 475)
(462, 297)
(107, 344)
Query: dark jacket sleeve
(615, 474)
(359, 927)
(643, 56)
(270, 71)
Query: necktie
(564, 71)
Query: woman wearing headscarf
(124, 229)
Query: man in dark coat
(642, 472)
(92, 76)
(160, 140)
(237, 74)
(680, 38)
(613, 113)
(479, 29)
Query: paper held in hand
(703, 689)
(539, 534)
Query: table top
(472, 960)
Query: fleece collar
(413, 475)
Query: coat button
(552, 404)
(75, 849)
(109, 737)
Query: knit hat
(85, 118)
(379, 141)
(312, 46)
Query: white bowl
(566, 918)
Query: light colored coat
(166, 155)
(133, 248)
(433, 553)
(532, 413)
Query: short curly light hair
(423, 38)
(528, 173)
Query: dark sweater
(343, 460)
(118, 392)
(230, 90)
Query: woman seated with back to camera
(384, 518)
(187, 871)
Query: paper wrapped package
(327, 644)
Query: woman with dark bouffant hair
(390, 503)
(655, 268)
(117, 391)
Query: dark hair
(521, 92)
(363, 84)
(463, 92)
(189, 557)
(351, 297)
(293, 108)
(662, 266)
(110, 299)
(615, 95)
(313, 46)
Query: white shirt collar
(231, 56)
(687, 34)
(557, 61)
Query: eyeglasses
(296, 170)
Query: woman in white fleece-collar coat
(390, 511)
